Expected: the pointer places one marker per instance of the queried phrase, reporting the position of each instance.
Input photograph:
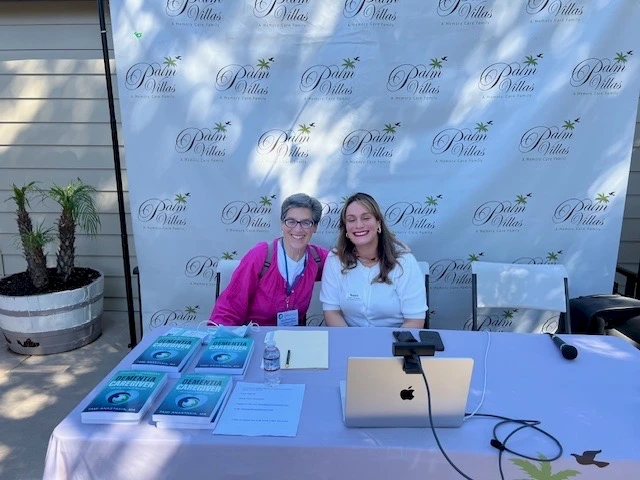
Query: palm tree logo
(622, 57)
(267, 201)
(531, 60)
(229, 255)
(542, 471)
(553, 256)
(436, 63)
(189, 310)
(221, 127)
(570, 125)
(473, 257)
(305, 129)
(349, 63)
(181, 198)
(432, 201)
(481, 127)
(522, 199)
(344, 199)
(265, 64)
(170, 61)
(603, 197)
(391, 128)
(507, 314)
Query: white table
(591, 403)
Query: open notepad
(309, 349)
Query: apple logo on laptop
(407, 393)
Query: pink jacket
(249, 298)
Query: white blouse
(366, 304)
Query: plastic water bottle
(271, 362)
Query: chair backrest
(513, 285)
(224, 271)
(424, 267)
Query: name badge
(288, 318)
(353, 296)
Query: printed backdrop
(487, 130)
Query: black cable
(495, 441)
(416, 358)
(501, 445)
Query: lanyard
(291, 286)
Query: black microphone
(568, 351)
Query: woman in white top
(370, 278)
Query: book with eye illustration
(167, 353)
(193, 402)
(126, 397)
(226, 356)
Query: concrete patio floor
(38, 391)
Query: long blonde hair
(389, 247)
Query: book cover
(126, 397)
(226, 355)
(201, 426)
(195, 398)
(167, 353)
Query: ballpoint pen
(286, 364)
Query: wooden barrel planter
(53, 322)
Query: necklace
(374, 259)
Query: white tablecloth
(591, 403)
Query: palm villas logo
(164, 214)
(201, 269)
(548, 142)
(501, 215)
(188, 315)
(548, 11)
(464, 12)
(329, 82)
(370, 146)
(291, 146)
(245, 81)
(494, 321)
(416, 81)
(582, 214)
(202, 145)
(154, 80)
(372, 12)
(452, 273)
(242, 215)
(600, 76)
(413, 217)
(330, 220)
(461, 145)
(510, 80)
(294, 11)
(194, 13)
(550, 258)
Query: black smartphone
(404, 336)
(431, 337)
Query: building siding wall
(54, 126)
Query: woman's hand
(334, 318)
(408, 322)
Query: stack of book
(226, 356)
(195, 401)
(126, 397)
(167, 353)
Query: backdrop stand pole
(116, 160)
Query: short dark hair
(302, 200)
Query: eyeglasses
(292, 222)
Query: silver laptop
(378, 393)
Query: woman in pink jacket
(274, 281)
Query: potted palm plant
(51, 310)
